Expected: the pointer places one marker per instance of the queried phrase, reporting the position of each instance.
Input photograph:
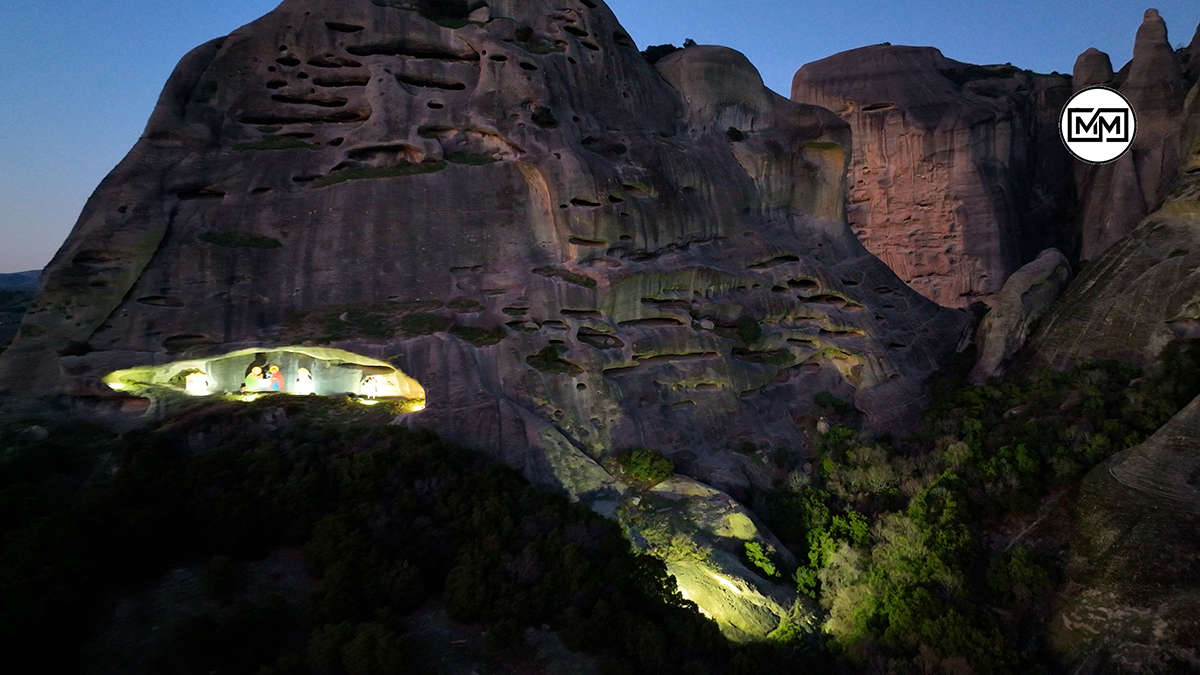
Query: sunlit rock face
(570, 251)
(958, 177)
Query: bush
(828, 400)
(386, 518)
(647, 466)
(748, 330)
(760, 559)
(655, 53)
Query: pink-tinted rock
(572, 252)
(957, 177)
(1093, 67)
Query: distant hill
(20, 281)
(16, 291)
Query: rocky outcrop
(1026, 296)
(1131, 603)
(1144, 291)
(570, 252)
(957, 177)
(1116, 196)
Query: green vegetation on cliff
(387, 521)
(919, 550)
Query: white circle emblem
(1098, 125)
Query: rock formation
(570, 252)
(958, 177)
(1144, 291)
(1116, 196)
(1131, 601)
(1026, 296)
(1130, 604)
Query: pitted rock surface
(958, 177)
(570, 251)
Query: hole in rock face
(250, 373)
(429, 81)
(343, 27)
(435, 105)
(528, 66)
(288, 61)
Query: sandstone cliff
(571, 253)
(1130, 604)
(1115, 197)
(957, 177)
(1144, 291)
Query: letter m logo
(1097, 125)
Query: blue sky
(80, 77)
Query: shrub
(748, 330)
(374, 172)
(647, 466)
(828, 400)
(548, 361)
(760, 559)
(655, 53)
(234, 239)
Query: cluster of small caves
(249, 374)
(317, 100)
(778, 324)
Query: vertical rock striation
(957, 177)
(1115, 197)
(1144, 291)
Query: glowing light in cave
(197, 383)
(247, 374)
(418, 407)
(371, 386)
(367, 401)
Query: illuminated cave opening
(251, 373)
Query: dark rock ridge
(572, 253)
(1116, 197)
(958, 177)
(20, 281)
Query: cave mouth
(251, 373)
